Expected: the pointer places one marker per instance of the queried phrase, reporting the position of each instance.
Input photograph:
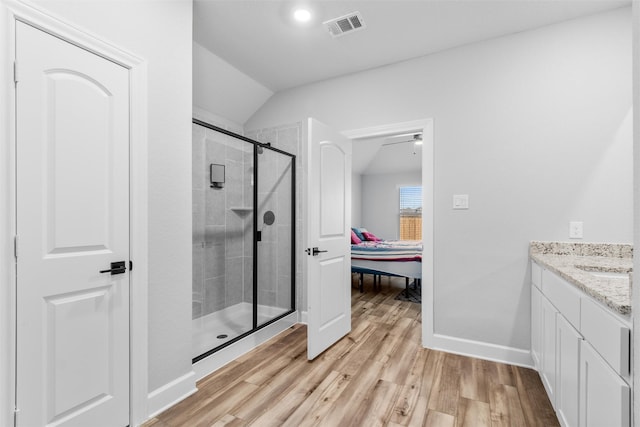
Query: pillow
(371, 237)
(358, 233)
(354, 238)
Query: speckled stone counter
(583, 265)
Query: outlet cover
(460, 201)
(575, 229)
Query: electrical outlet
(575, 229)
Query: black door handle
(316, 251)
(117, 267)
(313, 252)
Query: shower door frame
(265, 146)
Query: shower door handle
(314, 251)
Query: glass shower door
(275, 240)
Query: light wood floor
(378, 375)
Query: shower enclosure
(243, 237)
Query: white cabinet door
(604, 396)
(536, 324)
(548, 352)
(328, 238)
(568, 342)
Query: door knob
(117, 267)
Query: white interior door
(329, 233)
(72, 221)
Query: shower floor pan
(217, 328)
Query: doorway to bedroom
(392, 215)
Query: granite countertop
(586, 265)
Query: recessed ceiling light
(302, 15)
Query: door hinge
(15, 72)
(15, 246)
(15, 416)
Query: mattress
(388, 250)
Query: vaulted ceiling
(260, 38)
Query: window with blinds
(411, 213)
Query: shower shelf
(241, 209)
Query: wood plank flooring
(378, 375)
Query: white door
(72, 221)
(328, 238)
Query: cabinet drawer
(606, 334)
(563, 296)
(536, 274)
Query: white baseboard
(304, 317)
(226, 355)
(169, 394)
(482, 350)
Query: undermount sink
(609, 275)
(603, 274)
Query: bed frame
(406, 269)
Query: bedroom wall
(163, 38)
(380, 199)
(356, 199)
(535, 127)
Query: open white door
(328, 237)
(72, 174)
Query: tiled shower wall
(220, 222)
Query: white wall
(380, 199)
(6, 227)
(535, 127)
(223, 90)
(160, 32)
(356, 199)
(636, 199)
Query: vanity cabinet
(536, 325)
(568, 342)
(604, 395)
(548, 354)
(581, 351)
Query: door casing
(428, 175)
(10, 12)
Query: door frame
(428, 179)
(10, 12)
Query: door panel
(329, 216)
(72, 179)
(332, 191)
(72, 134)
(568, 371)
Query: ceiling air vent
(345, 24)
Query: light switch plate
(460, 201)
(575, 229)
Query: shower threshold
(222, 326)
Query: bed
(401, 258)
